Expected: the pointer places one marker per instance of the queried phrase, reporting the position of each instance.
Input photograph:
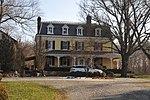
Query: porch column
(111, 66)
(74, 60)
(58, 58)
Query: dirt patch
(143, 84)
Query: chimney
(88, 19)
(38, 24)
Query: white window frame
(48, 29)
(80, 31)
(98, 30)
(50, 45)
(65, 29)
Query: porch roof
(82, 53)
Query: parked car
(82, 68)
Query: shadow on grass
(135, 95)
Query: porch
(91, 59)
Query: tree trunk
(125, 59)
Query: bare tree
(146, 50)
(18, 15)
(128, 20)
(139, 64)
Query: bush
(3, 93)
(1, 76)
(64, 69)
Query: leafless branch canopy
(18, 13)
(129, 20)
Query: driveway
(97, 89)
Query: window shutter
(61, 61)
(53, 45)
(53, 59)
(101, 46)
(68, 45)
(61, 45)
(94, 45)
(82, 45)
(46, 44)
(76, 44)
(68, 62)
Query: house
(8, 52)
(63, 44)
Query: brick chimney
(38, 24)
(88, 19)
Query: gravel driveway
(97, 89)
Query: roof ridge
(63, 22)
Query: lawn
(31, 91)
(140, 76)
(135, 76)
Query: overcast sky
(60, 10)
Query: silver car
(82, 68)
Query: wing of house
(8, 52)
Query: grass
(31, 91)
(135, 76)
(140, 76)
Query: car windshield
(79, 66)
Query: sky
(59, 10)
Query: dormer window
(80, 30)
(98, 31)
(50, 29)
(65, 30)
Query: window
(79, 45)
(50, 61)
(79, 30)
(81, 62)
(65, 45)
(65, 30)
(64, 61)
(98, 32)
(50, 45)
(98, 46)
(50, 29)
